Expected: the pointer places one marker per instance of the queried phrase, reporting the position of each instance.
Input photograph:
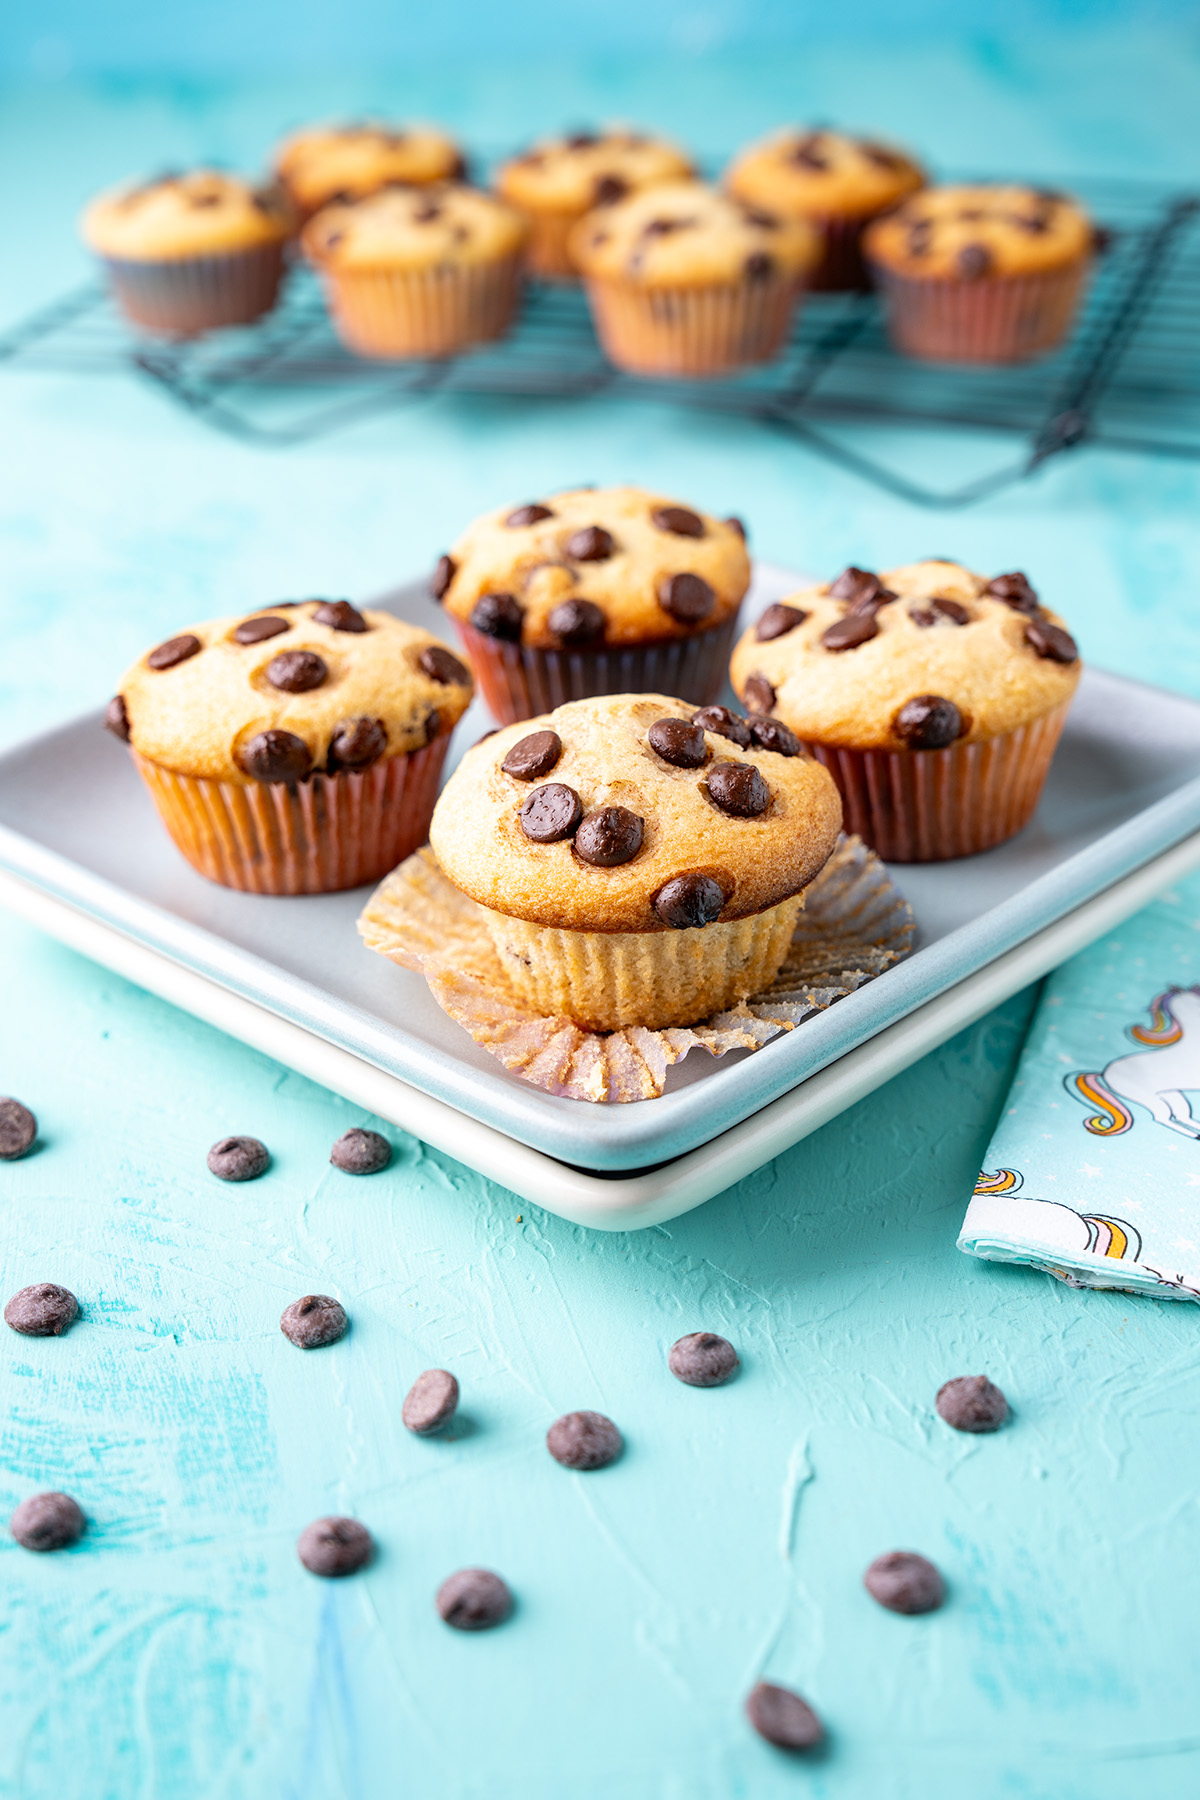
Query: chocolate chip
(920, 237)
(928, 722)
(855, 585)
(905, 1582)
(529, 515)
(426, 212)
(609, 836)
(783, 1718)
(850, 632)
(339, 615)
(702, 1359)
(297, 671)
(591, 543)
(577, 622)
(924, 616)
(176, 650)
(356, 744)
(43, 1310)
(758, 694)
(534, 756)
(974, 261)
(777, 621)
(759, 265)
(253, 631)
(689, 901)
(688, 598)
(680, 520)
(238, 1158)
(764, 220)
(442, 665)
(1051, 641)
(444, 571)
(971, 1403)
(474, 1600)
(430, 1403)
(678, 742)
(807, 153)
(314, 1321)
(18, 1129)
(952, 610)
(738, 789)
(116, 718)
(735, 524)
(1035, 223)
(276, 756)
(723, 723)
(584, 1440)
(334, 1547)
(664, 227)
(498, 616)
(880, 155)
(608, 190)
(359, 1152)
(48, 1522)
(551, 813)
(1015, 591)
(773, 734)
(582, 140)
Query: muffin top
(592, 566)
(339, 162)
(204, 212)
(916, 658)
(414, 228)
(298, 687)
(589, 168)
(972, 231)
(806, 172)
(622, 814)
(686, 234)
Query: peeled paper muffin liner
(519, 682)
(197, 293)
(853, 925)
(305, 837)
(1002, 318)
(931, 805)
(395, 313)
(692, 330)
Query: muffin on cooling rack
(936, 698)
(324, 163)
(838, 183)
(418, 271)
(981, 273)
(635, 867)
(685, 280)
(186, 253)
(595, 591)
(295, 750)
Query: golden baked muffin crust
(576, 172)
(202, 213)
(970, 232)
(327, 162)
(686, 234)
(414, 228)
(816, 173)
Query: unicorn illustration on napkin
(1160, 1077)
(1057, 1226)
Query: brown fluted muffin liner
(307, 837)
(692, 331)
(197, 293)
(519, 682)
(396, 313)
(1001, 318)
(931, 805)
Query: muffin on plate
(684, 280)
(294, 750)
(418, 271)
(186, 253)
(323, 163)
(981, 273)
(595, 591)
(935, 697)
(838, 183)
(635, 867)
(561, 178)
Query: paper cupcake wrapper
(546, 252)
(931, 805)
(997, 319)
(197, 293)
(309, 837)
(397, 313)
(841, 266)
(519, 682)
(692, 331)
(853, 926)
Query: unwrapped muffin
(324, 163)
(635, 867)
(295, 750)
(936, 697)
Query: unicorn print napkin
(1093, 1172)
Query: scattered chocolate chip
(442, 665)
(474, 1600)
(43, 1310)
(773, 734)
(850, 632)
(928, 722)
(551, 813)
(609, 836)
(356, 744)
(584, 1440)
(1015, 591)
(444, 571)
(688, 598)
(758, 694)
(971, 1403)
(678, 742)
(116, 718)
(253, 631)
(777, 621)
(905, 1582)
(297, 671)
(952, 610)
(532, 514)
(591, 543)
(974, 261)
(680, 520)
(735, 524)
(314, 1321)
(577, 622)
(759, 265)
(609, 189)
(339, 615)
(783, 1718)
(499, 616)
(47, 1522)
(738, 789)
(359, 1152)
(534, 756)
(334, 1547)
(702, 1359)
(430, 1403)
(276, 756)
(238, 1158)
(723, 723)
(689, 901)
(18, 1129)
(1051, 641)
(176, 650)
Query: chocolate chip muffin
(418, 271)
(187, 253)
(595, 591)
(838, 183)
(981, 273)
(638, 863)
(295, 750)
(561, 178)
(324, 163)
(936, 698)
(684, 280)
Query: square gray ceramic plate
(77, 827)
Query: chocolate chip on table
(313, 1321)
(238, 1158)
(276, 756)
(688, 598)
(758, 694)
(759, 265)
(971, 1403)
(442, 665)
(974, 261)
(609, 189)
(773, 734)
(735, 524)
(339, 615)
(499, 616)
(738, 789)
(356, 744)
(444, 571)
(18, 1129)
(905, 1582)
(551, 813)
(679, 742)
(1051, 642)
(48, 1522)
(928, 722)
(334, 1547)
(609, 836)
(474, 1600)
(430, 1402)
(254, 631)
(1015, 591)
(529, 515)
(591, 543)
(577, 622)
(850, 632)
(176, 650)
(702, 1359)
(43, 1310)
(297, 671)
(584, 1440)
(777, 621)
(116, 718)
(680, 520)
(723, 723)
(533, 756)
(689, 901)
(359, 1152)
(781, 1717)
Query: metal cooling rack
(1129, 377)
